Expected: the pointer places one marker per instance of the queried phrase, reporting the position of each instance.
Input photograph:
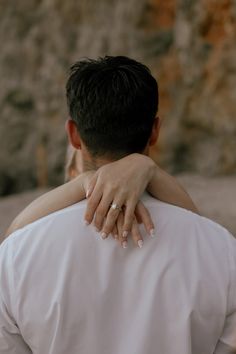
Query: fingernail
(97, 230)
(124, 244)
(87, 193)
(86, 222)
(140, 243)
(152, 233)
(116, 237)
(125, 233)
(104, 235)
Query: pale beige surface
(215, 198)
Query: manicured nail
(140, 243)
(116, 237)
(125, 233)
(87, 193)
(152, 233)
(104, 235)
(124, 244)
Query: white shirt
(64, 290)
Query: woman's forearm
(58, 198)
(167, 189)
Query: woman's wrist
(146, 164)
(83, 181)
(157, 176)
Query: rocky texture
(189, 45)
(214, 197)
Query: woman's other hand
(141, 216)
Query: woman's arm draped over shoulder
(56, 199)
(126, 181)
(167, 189)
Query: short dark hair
(113, 101)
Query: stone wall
(188, 44)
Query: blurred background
(188, 44)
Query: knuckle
(112, 188)
(123, 193)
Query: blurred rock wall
(188, 44)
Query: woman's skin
(121, 182)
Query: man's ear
(73, 134)
(155, 131)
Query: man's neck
(90, 163)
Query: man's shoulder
(174, 219)
(47, 225)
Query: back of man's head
(113, 101)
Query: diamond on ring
(115, 206)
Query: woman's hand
(117, 187)
(141, 216)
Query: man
(65, 291)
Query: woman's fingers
(115, 233)
(92, 204)
(101, 214)
(136, 235)
(144, 216)
(129, 216)
(115, 208)
(120, 222)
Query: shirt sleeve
(227, 341)
(11, 341)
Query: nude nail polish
(140, 243)
(124, 244)
(152, 233)
(104, 235)
(125, 233)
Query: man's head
(112, 104)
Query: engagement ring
(115, 206)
